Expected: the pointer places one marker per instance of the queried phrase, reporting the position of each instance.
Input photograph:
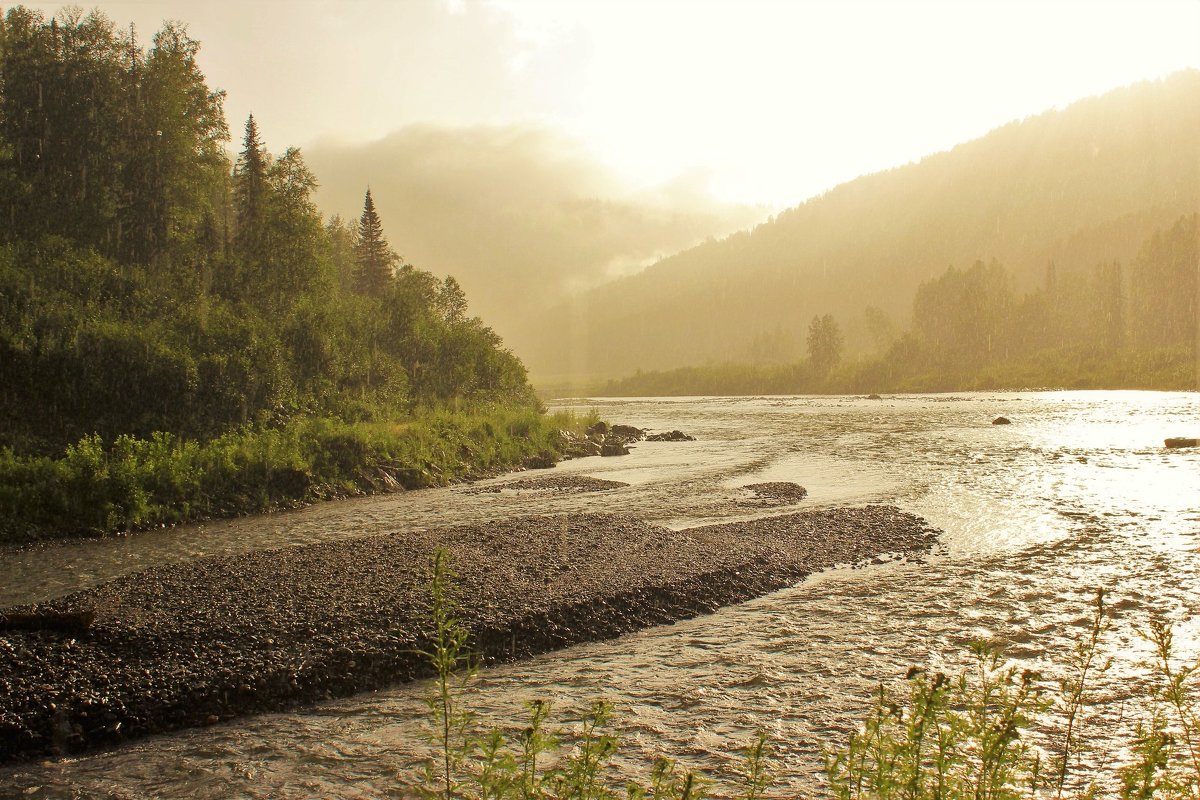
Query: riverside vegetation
(165, 480)
(992, 732)
(182, 336)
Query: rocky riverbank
(195, 643)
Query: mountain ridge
(1085, 183)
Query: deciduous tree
(824, 343)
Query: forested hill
(1074, 188)
(151, 285)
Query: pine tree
(374, 259)
(250, 192)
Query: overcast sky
(763, 103)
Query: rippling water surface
(1077, 493)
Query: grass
(97, 487)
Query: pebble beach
(209, 640)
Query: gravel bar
(199, 642)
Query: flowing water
(1077, 493)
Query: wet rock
(1180, 441)
(1001, 421)
(575, 446)
(626, 433)
(614, 447)
(543, 460)
(671, 436)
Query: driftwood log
(61, 621)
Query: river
(1078, 492)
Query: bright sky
(754, 102)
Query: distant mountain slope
(1076, 186)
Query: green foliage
(1167, 747)
(961, 315)
(1070, 700)
(374, 260)
(948, 738)
(179, 341)
(134, 483)
(453, 668)
(114, 148)
(250, 193)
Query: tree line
(1114, 325)
(150, 283)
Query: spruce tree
(373, 257)
(250, 192)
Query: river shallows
(1077, 492)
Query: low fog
(521, 216)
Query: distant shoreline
(213, 639)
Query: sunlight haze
(760, 103)
(597, 398)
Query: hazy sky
(763, 103)
(532, 148)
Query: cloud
(521, 215)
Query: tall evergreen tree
(374, 259)
(250, 193)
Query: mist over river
(1077, 492)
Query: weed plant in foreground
(538, 762)
(969, 736)
(937, 737)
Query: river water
(1076, 493)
